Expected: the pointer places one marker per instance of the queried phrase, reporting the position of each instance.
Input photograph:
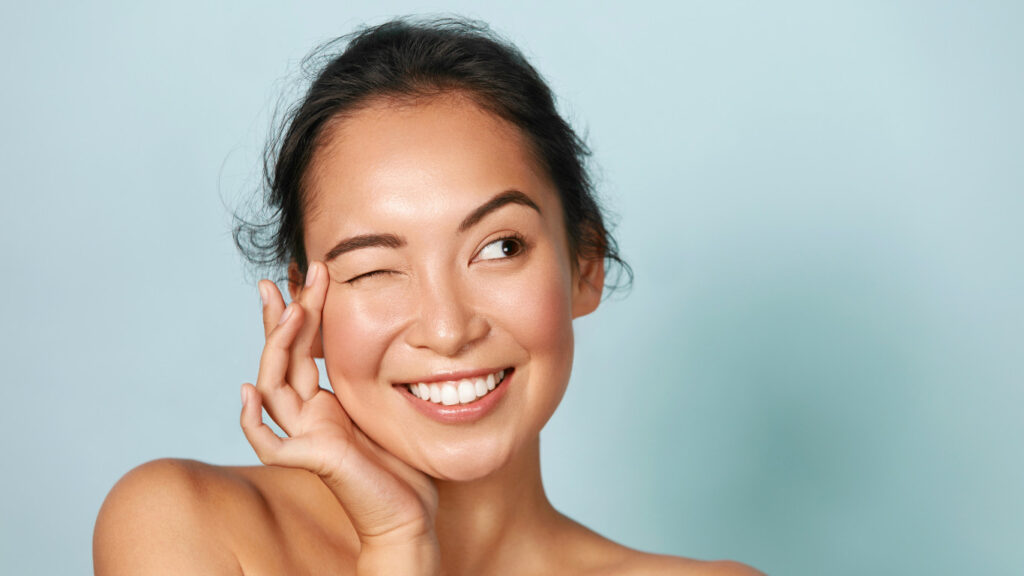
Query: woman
(440, 235)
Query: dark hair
(420, 58)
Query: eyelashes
(371, 274)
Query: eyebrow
(364, 241)
(503, 198)
(395, 241)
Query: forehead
(418, 160)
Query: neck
(500, 519)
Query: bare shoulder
(643, 563)
(183, 516)
(161, 518)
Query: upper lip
(450, 376)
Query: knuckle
(277, 340)
(282, 335)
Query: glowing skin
(442, 300)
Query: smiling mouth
(464, 391)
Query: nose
(446, 323)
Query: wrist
(418, 557)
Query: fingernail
(311, 274)
(287, 314)
(263, 294)
(245, 395)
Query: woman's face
(448, 261)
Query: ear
(296, 282)
(588, 285)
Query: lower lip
(460, 413)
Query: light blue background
(818, 370)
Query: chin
(462, 463)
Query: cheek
(536, 310)
(539, 318)
(357, 329)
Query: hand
(392, 506)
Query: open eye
(506, 247)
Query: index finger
(303, 374)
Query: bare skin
(461, 277)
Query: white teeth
(467, 392)
(449, 395)
(457, 392)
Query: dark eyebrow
(394, 241)
(364, 241)
(506, 197)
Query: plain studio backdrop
(818, 370)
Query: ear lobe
(588, 285)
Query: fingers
(273, 305)
(282, 402)
(263, 440)
(288, 374)
(302, 370)
(271, 449)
